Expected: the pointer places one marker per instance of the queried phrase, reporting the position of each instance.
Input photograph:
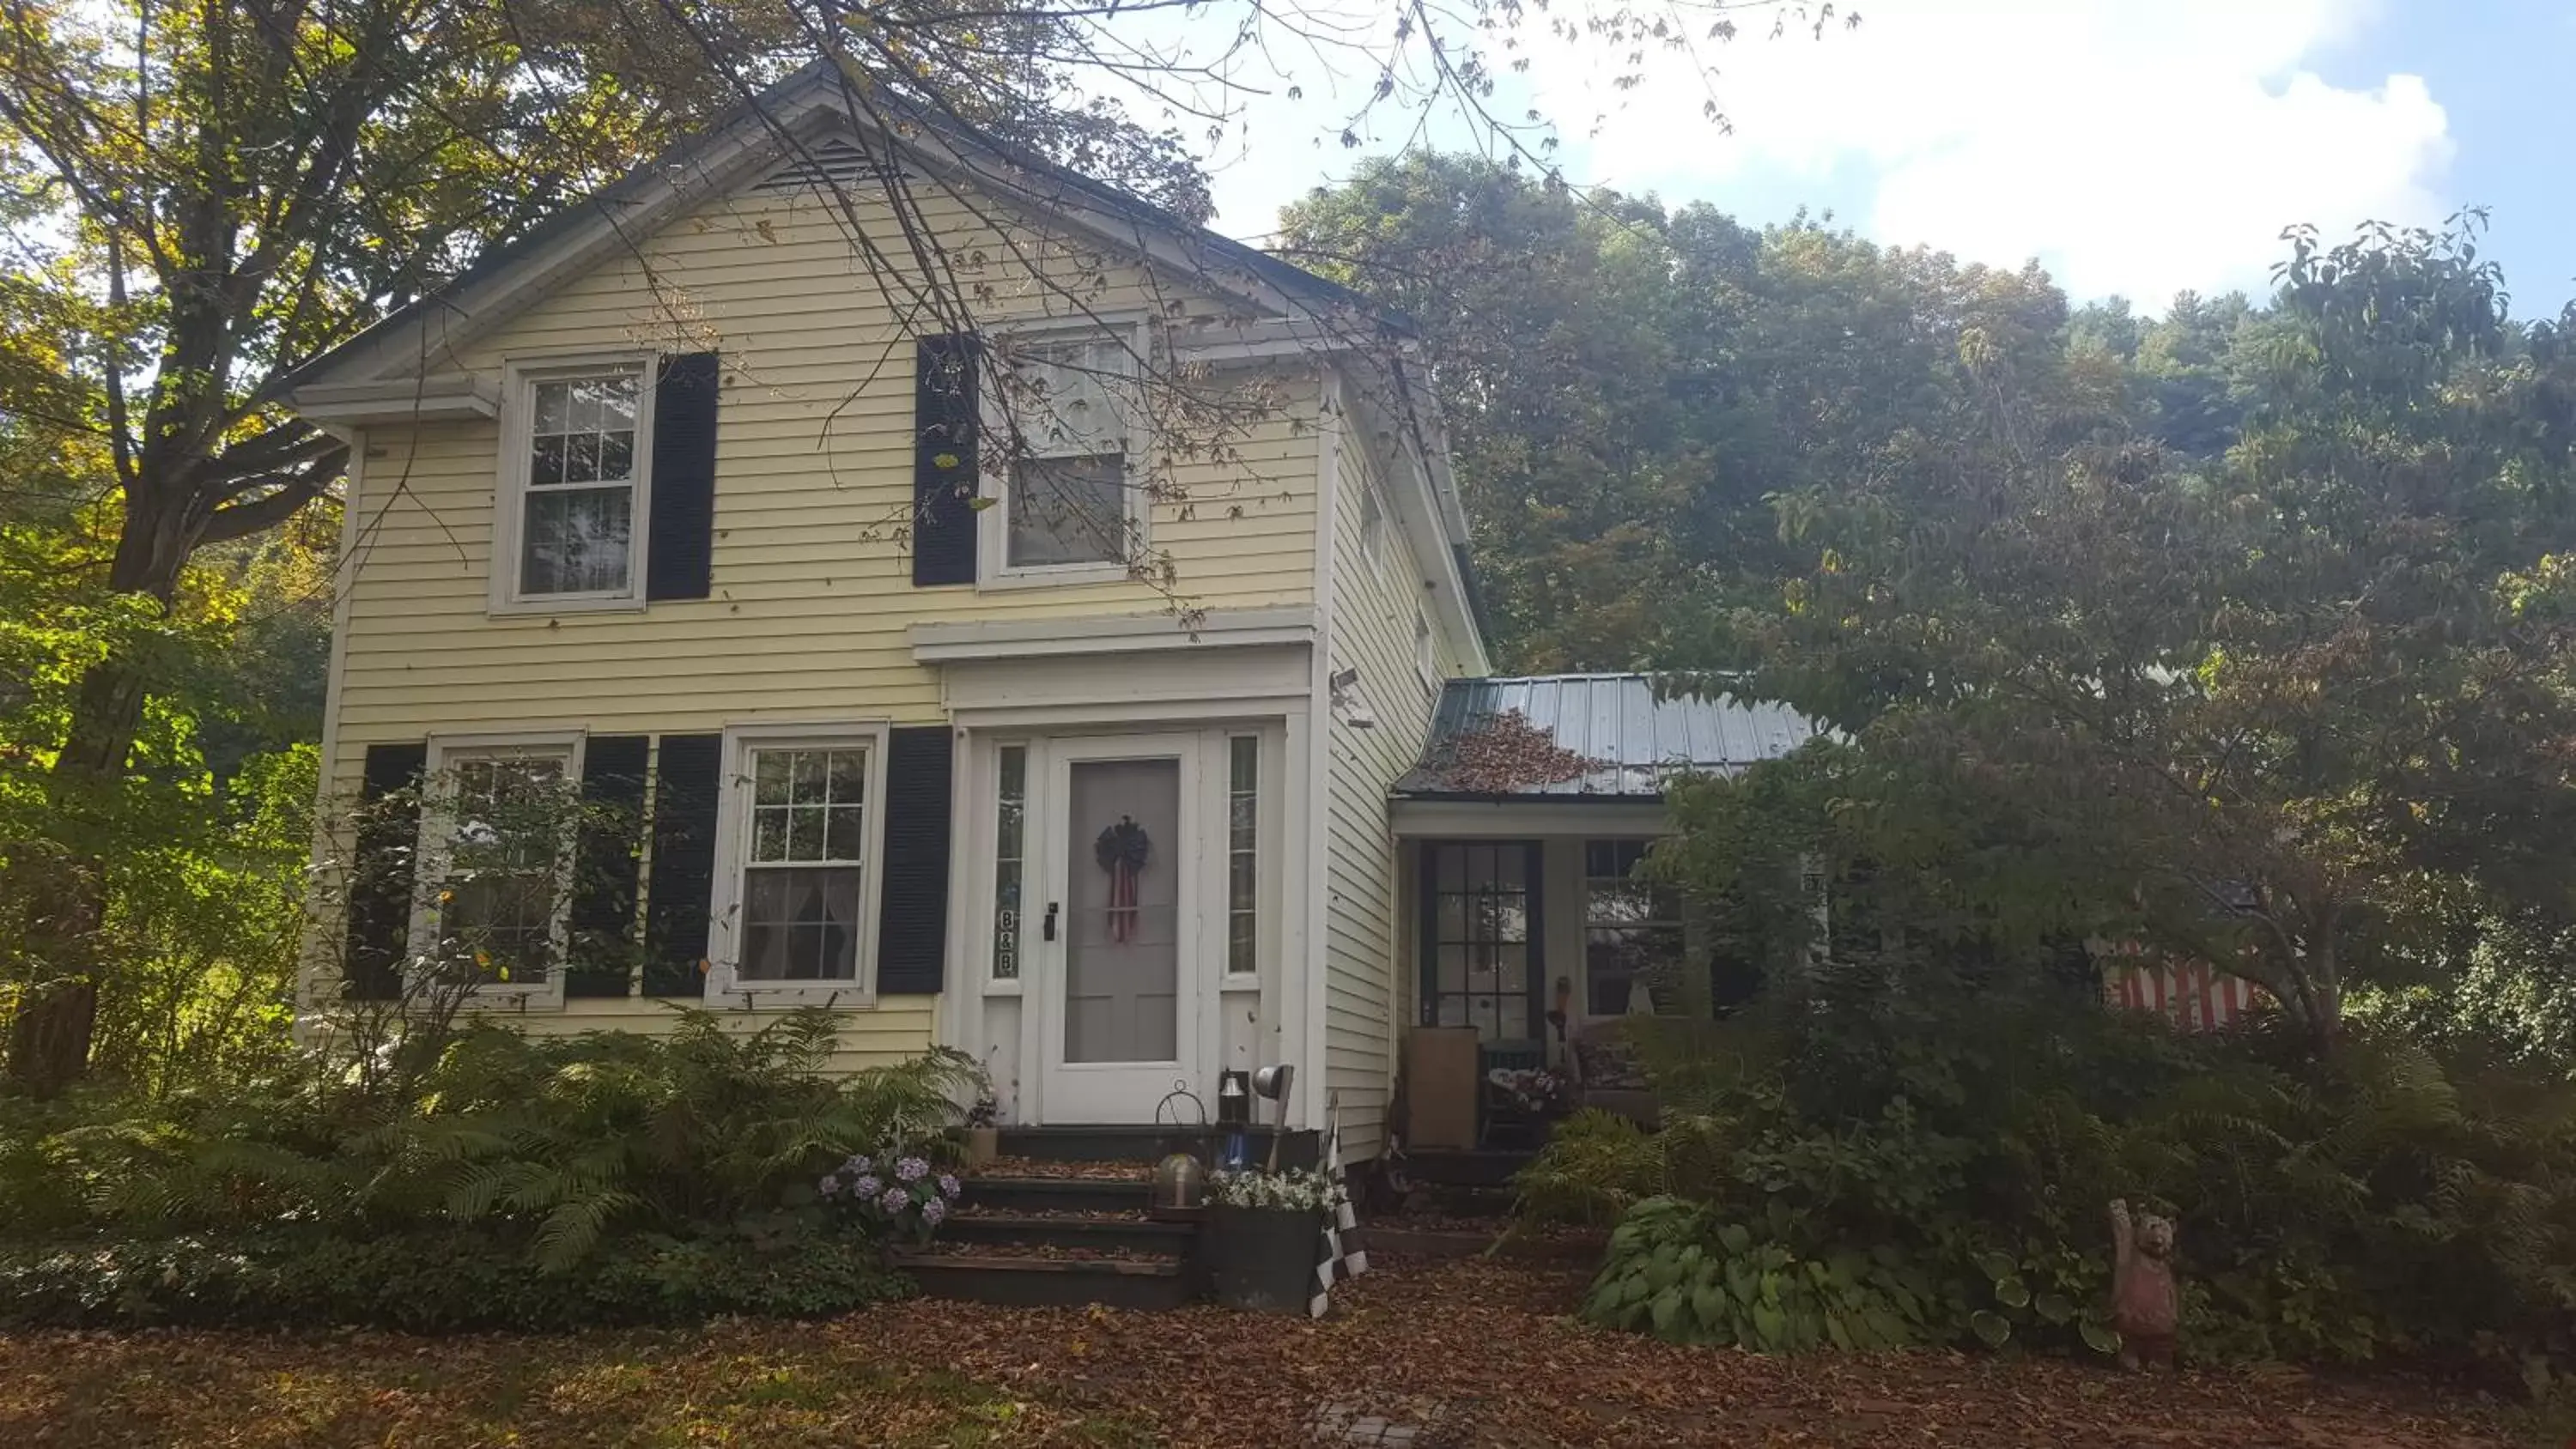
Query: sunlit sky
(2136, 147)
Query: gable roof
(1590, 737)
(772, 128)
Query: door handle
(1048, 929)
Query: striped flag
(2193, 995)
(1341, 1256)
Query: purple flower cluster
(905, 1197)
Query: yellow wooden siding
(814, 482)
(1374, 605)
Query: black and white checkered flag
(1342, 1256)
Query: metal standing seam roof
(1632, 740)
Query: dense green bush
(433, 1280)
(511, 1180)
(1969, 1133)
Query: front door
(1119, 926)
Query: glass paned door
(1480, 938)
(1122, 962)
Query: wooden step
(1152, 1284)
(1015, 1195)
(1125, 1233)
(1148, 1143)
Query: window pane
(849, 772)
(581, 458)
(769, 832)
(546, 462)
(1012, 766)
(809, 777)
(1067, 510)
(553, 407)
(846, 833)
(805, 832)
(800, 924)
(617, 455)
(577, 541)
(769, 777)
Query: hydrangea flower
(912, 1169)
(859, 1165)
(947, 1185)
(895, 1200)
(933, 1210)
(829, 1185)
(865, 1187)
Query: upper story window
(574, 480)
(1066, 412)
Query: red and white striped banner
(2193, 995)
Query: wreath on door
(1122, 850)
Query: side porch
(1527, 931)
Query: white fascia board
(397, 400)
(1526, 819)
(944, 643)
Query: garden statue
(2145, 1306)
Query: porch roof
(1595, 737)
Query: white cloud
(2134, 146)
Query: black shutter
(912, 925)
(945, 427)
(679, 547)
(381, 872)
(605, 867)
(684, 864)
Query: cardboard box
(1440, 1086)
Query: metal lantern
(1180, 1179)
(1180, 1188)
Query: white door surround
(1030, 711)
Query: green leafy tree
(2242, 711)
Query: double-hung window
(497, 853)
(1065, 417)
(575, 481)
(1632, 931)
(797, 865)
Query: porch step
(1072, 1234)
(1033, 1282)
(1020, 1195)
(1150, 1142)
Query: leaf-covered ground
(1473, 1353)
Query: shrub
(431, 1280)
(2376, 1203)
(643, 1176)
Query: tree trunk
(63, 894)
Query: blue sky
(2133, 146)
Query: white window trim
(437, 827)
(733, 836)
(1269, 783)
(992, 524)
(519, 378)
(987, 846)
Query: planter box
(1261, 1258)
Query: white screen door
(1118, 959)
